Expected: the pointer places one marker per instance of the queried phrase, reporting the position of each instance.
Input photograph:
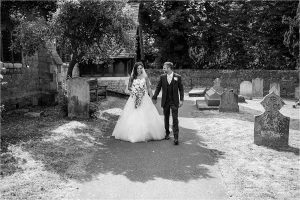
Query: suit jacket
(177, 88)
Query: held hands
(154, 101)
(180, 103)
(130, 93)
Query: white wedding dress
(139, 124)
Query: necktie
(169, 79)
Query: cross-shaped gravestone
(271, 128)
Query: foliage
(89, 30)
(31, 35)
(222, 34)
(291, 37)
(30, 9)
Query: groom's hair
(169, 64)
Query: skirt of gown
(139, 124)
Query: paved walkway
(156, 170)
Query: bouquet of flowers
(138, 91)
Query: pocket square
(175, 78)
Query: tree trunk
(75, 58)
(71, 66)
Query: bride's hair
(134, 71)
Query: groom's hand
(154, 101)
(180, 103)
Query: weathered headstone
(297, 92)
(271, 128)
(246, 89)
(78, 98)
(75, 72)
(275, 87)
(229, 102)
(257, 88)
(197, 92)
(213, 95)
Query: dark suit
(170, 100)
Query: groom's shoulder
(162, 75)
(178, 75)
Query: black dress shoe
(167, 137)
(176, 142)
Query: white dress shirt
(170, 77)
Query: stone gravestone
(257, 88)
(75, 72)
(197, 92)
(78, 98)
(213, 95)
(275, 87)
(271, 128)
(246, 89)
(229, 102)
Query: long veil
(146, 76)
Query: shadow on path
(83, 156)
(82, 153)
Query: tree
(291, 37)
(27, 8)
(11, 12)
(89, 30)
(223, 34)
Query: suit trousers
(167, 108)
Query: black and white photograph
(149, 99)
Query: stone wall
(288, 79)
(116, 84)
(33, 82)
(22, 84)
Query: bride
(139, 120)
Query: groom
(171, 84)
